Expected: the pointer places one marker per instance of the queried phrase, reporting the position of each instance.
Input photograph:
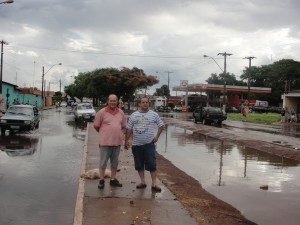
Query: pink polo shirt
(110, 125)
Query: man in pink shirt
(109, 122)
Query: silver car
(20, 118)
(84, 112)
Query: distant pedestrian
(293, 117)
(109, 122)
(288, 117)
(283, 115)
(244, 112)
(7, 104)
(142, 124)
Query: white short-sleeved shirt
(143, 126)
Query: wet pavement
(39, 173)
(264, 187)
(39, 180)
(237, 174)
(125, 205)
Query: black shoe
(101, 184)
(115, 183)
(155, 189)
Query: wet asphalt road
(264, 187)
(39, 180)
(39, 172)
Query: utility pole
(43, 81)
(1, 71)
(43, 75)
(225, 54)
(249, 74)
(169, 80)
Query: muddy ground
(203, 206)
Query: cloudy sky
(158, 36)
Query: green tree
(230, 79)
(162, 91)
(99, 83)
(282, 75)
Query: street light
(1, 71)
(206, 56)
(7, 2)
(44, 81)
(62, 81)
(168, 72)
(249, 75)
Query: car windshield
(20, 111)
(217, 110)
(85, 107)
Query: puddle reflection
(15, 145)
(235, 174)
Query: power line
(113, 54)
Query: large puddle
(264, 187)
(39, 173)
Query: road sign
(184, 83)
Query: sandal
(156, 189)
(141, 186)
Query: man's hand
(126, 145)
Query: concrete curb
(78, 214)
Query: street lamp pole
(169, 80)
(249, 74)
(206, 56)
(62, 82)
(1, 71)
(225, 54)
(44, 73)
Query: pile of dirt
(205, 208)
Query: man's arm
(96, 128)
(159, 130)
(127, 136)
(97, 121)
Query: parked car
(231, 109)
(20, 118)
(177, 108)
(84, 112)
(164, 109)
(63, 104)
(208, 115)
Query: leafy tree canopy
(230, 79)
(99, 83)
(282, 75)
(162, 91)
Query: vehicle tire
(205, 122)
(219, 123)
(2, 131)
(195, 120)
(37, 126)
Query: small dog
(95, 174)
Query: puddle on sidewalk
(264, 187)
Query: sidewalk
(126, 205)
